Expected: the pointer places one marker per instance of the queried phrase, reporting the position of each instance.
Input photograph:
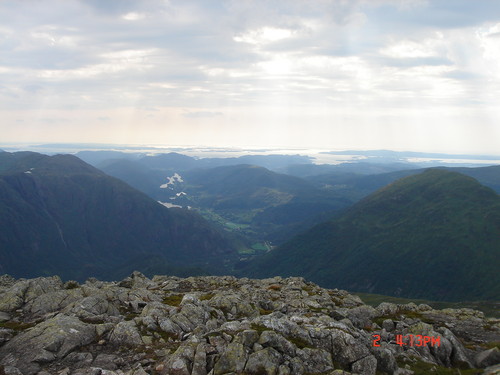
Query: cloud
(52, 120)
(241, 59)
(202, 114)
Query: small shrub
(207, 297)
(71, 284)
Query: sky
(328, 74)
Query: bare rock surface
(223, 325)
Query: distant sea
(319, 156)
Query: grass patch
(16, 326)
(167, 336)
(309, 290)
(259, 328)
(490, 309)
(246, 251)
(400, 316)
(491, 345)
(490, 327)
(424, 368)
(265, 312)
(320, 310)
(207, 297)
(93, 321)
(236, 226)
(259, 246)
(299, 343)
(173, 299)
(130, 316)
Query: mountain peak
(432, 235)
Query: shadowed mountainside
(61, 215)
(433, 235)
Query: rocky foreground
(224, 325)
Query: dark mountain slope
(245, 185)
(168, 162)
(276, 206)
(488, 176)
(253, 201)
(176, 162)
(16, 161)
(433, 235)
(63, 216)
(94, 158)
(345, 169)
(357, 186)
(136, 175)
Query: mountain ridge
(437, 223)
(59, 214)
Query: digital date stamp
(412, 340)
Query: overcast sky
(404, 75)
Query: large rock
(278, 342)
(458, 356)
(385, 360)
(281, 324)
(265, 361)
(365, 366)
(233, 306)
(361, 316)
(46, 342)
(346, 349)
(181, 362)
(492, 370)
(316, 360)
(52, 301)
(93, 309)
(232, 360)
(126, 334)
(14, 295)
(488, 358)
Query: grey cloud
(442, 14)
(33, 88)
(410, 62)
(114, 7)
(190, 40)
(494, 35)
(202, 114)
(53, 120)
(462, 75)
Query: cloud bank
(418, 75)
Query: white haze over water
(317, 156)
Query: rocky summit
(224, 325)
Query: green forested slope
(433, 235)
